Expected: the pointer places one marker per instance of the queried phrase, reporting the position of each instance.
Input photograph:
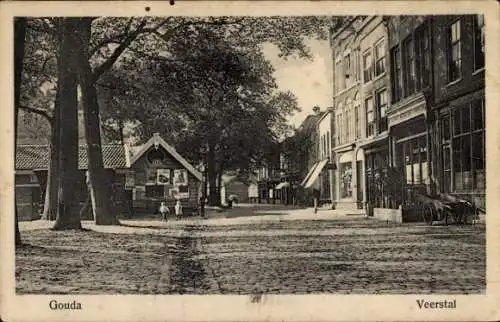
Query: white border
(232, 308)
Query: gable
(155, 143)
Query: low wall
(394, 215)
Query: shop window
(478, 42)
(345, 180)
(370, 120)
(415, 156)
(367, 67)
(445, 128)
(468, 147)
(446, 169)
(380, 58)
(477, 115)
(454, 52)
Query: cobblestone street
(345, 254)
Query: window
(423, 64)
(328, 144)
(367, 67)
(382, 110)
(467, 144)
(339, 126)
(155, 191)
(357, 118)
(379, 58)
(370, 121)
(415, 159)
(340, 75)
(454, 55)
(348, 107)
(345, 172)
(397, 85)
(347, 69)
(409, 66)
(478, 42)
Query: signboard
(180, 177)
(163, 176)
(407, 113)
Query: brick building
(458, 111)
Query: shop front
(349, 178)
(460, 147)
(411, 159)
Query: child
(164, 211)
(178, 209)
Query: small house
(159, 173)
(154, 173)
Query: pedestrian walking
(316, 199)
(178, 209)
(164, 211)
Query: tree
(38, 95)
(19, 41)
(99, 181)
(227, 102)
(67, 212)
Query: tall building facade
(409, 109)
(457, 116)
(361, 101)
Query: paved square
(277, 255)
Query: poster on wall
(129, 180)
(151, 176)
(163, 176)
(180, 177)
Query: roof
(156, 140)
(36, 157)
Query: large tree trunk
(50, 204)
(219, 186)
(67, 212)
(19, 41)
(213, 200)
(100, 184)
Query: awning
(316, 173)
(309, 173)
(282, 185)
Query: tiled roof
(37, 157)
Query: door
(360, 183)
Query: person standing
(316, 195)
(164, 211)
(178, 209)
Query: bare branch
(40, 112)
(98, 71)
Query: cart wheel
(427, 214)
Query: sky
(310, 80)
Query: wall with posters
(159, 176)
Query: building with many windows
(411, 79)
(361, 98)
(347, 112)
(409, 110)
(458, 111)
